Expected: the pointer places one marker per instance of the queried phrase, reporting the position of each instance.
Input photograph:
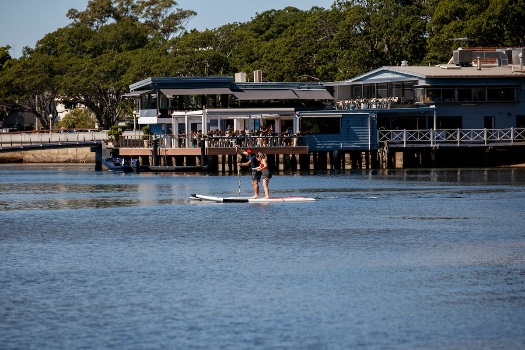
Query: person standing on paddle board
(252, 163)
(265, 173)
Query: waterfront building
(478, 92)
(477, 88)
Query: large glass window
(397, 90)
(321, 125)
(448, 95)
(479, 94)
(367, 91)
(501, 94)
(448, 122)
(382, 91)
(465, 95)
(434, 95)
(357, 91)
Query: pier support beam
(98, 156)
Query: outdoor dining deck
(212, 141)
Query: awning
(265, 94)
(200, 91)
(136, 93)
(313, 94)
(249, 111)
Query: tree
(32, 84)
(385, 31)
(97, 83)
(163, 18)
(4, 55)
(473, 23)
(78, 118)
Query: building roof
(172, 86)
(408, 73)
(447, 70)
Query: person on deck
(252, 163)
(265, 173)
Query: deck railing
(193, 141)
(453, 137)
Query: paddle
(239, 158)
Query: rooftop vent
(257, 76)
(240, 77)
(462, 58)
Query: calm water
(382, 260)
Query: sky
(24, 22)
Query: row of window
(406, 90)
(475, 94)
(198, 102)
(333, 125)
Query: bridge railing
(457, 137)
(45, 138)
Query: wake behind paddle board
(250, 199)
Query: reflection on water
(383, 259)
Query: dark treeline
(113, 43)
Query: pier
(393, 149)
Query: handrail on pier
(452, 137)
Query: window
(367, 91)
(448, 95)
(448, 123)
(433, 95)
(464, 95)
(382, 91)
(479, 94)
(397, 90)
(520, 121)
(501, 94)
(321, 125)
(357, 91)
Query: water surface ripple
(405, 259)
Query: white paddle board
(250, 199)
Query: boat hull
(117, 165)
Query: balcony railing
(453, 137)
(212, 141)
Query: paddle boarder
(265, 173)
(253, 163)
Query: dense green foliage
(113, 43)
(78, 118)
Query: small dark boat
(117, 165)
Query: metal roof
(265, 94)
(406, 73)
(196, 91)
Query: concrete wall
(61, 155)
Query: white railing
(458, 137)
(23, 139)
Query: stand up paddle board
(250, 199)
